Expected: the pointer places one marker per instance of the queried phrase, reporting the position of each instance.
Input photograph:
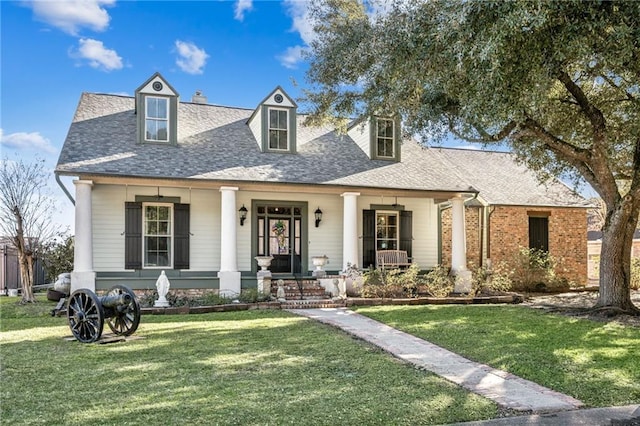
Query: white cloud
(303, 25)
(97, 55)
(241, 7)
(291, 57)
(191, 59)
(72, 15)
(23, 141)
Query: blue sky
(235, 52)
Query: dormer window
(274, 122)
(157, 119)
(385, 138)
(157, 112)
(278, 129)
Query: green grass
(598, 363)
(244, 368)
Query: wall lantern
(318, 214)
(243, 214)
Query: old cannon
(87, 312)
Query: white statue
(162, 284)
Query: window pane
(273, 119)
(163, 244)
(152, 243)
(152, 107)
(273, 139)
(163, 212)
(152, 228)
(282, 119)
(163, 228)
(162, 108)
(162, 131)
(151, 212)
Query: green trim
(390, 207)
(291, 131)
(304, 231)
(397, 139)
(440, 210)
(157, 199)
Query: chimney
(199, 98)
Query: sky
(234, 52)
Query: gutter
(64, 189)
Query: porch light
(318, 214)
(243, 214)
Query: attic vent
(157, 86)
(278, 98)
(199, 98)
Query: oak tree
(558, 82)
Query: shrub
(496, 279)
(392, 282)
(635, 274)
(439, 282)
(536, 270)
(252, 295)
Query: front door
(279, 235)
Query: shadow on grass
(591, 361)
(227, 368)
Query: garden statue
(162, 284)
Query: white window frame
(170, 236)
(269, 128)
(397, 226)
(156, 119)
(392, 138)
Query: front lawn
(597, 363)
(250, 367)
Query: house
(201, 190)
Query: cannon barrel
(115, 300)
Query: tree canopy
(557, 81)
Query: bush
(252, 295)
(536, 270)
(497, 279)
(387, 283)
(439, 282)
(634, 281)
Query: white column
(350, 230)
(459, 247)
(83, 275)
(229, 276)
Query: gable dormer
(273, 123)
(379, 137)
(157, 111)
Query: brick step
(312, 304)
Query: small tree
(25, 214)
(58, 255)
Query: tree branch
(594, 115)
(485, 137)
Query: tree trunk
(26, 274)
(615, 259)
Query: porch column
(350, 230)
(459, 247)
(229, 276)
(83, 275)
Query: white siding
(361, 135)
(108, 225)
(255, 125)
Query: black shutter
(368, 238)
(132, 235)
(181, 236)
(539, 233)
(406, 231)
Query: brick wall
(509, 230)
(472, 217)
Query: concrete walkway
(504, 388)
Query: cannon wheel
(85, 315)
(126, 317)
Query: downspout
(64, 189)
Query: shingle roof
(215, 143)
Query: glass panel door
(279, 235)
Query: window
(385, 138)
(386, 231)
(278, 129)
(157, 119)
(158, 229)
(539, 233)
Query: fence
(10, 270)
